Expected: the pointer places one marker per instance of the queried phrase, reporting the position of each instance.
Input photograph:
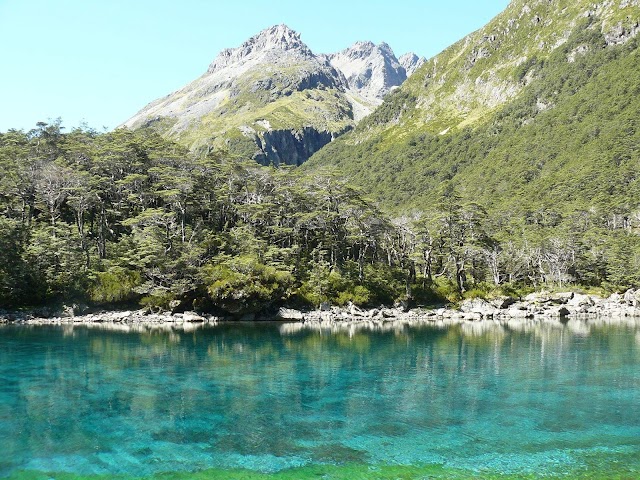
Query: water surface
(282, 400)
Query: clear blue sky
(101, 61)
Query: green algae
(592, 466)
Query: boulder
(372, 313)
(537, 297)
(68, 311)
(636, 299)
(192, 317)
(402, 305)
(615, 298)
(560, 311)
(120, 316)
(502, 302)
(355, 311)
(473, 316)
(580, 300)
(388, 313)
(561, 297)
(514, 312)
(289, 314)
(479, 306)
(630, 297)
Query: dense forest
(130, 217)
(127, 217)
(552, 176)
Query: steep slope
(537, 109)
(272, 99)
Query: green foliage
(244, 284)
(527, 67)
(341, 286)
(115, 285)
(158, 299)
(541, 191)
(15, 280)
(448, 290)
(359, 295)
(125, 215)
(622, 262)
(480, 290)
(56, 262)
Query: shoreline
(540, 306)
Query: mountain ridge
(480, 72)
(273, 99)
(474, 109)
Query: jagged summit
(270, 42)
(411, 62)
(273, 99)
(277, 36)
(371, 70)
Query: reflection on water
(510, 396)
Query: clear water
(271, 399)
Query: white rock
(192, 317)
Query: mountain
(536, 112)
(411, 62)
(371, 72)
(273, 99)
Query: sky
(96, 63)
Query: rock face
(274, 100)
(371, 72)
(291, 147)
(269, 93)
(411, 62)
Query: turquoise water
(521, 398)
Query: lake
(272, 400)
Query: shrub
(158, 299)
(244, 284)
(117, 284)
(358, 295)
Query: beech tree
(131, 217)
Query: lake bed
(489, 399)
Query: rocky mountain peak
(359, 49)
(273, 99)
(277, 37)
(370, 70)
(384, 47)
(275, 40)
(411, 62)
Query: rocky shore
(540, 305)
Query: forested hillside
(571, 136)
(554, 172)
